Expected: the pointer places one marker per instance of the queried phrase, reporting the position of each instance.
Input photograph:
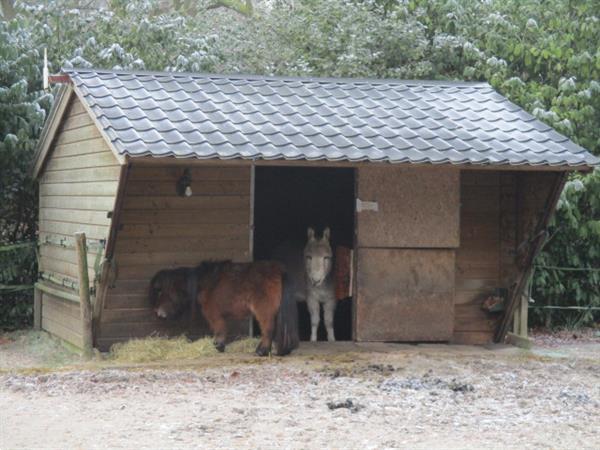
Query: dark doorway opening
(288, 200)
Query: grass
(152, 349)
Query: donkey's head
(317, 257)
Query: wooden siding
(62, 318)
(77, 192)
(499, 211)
(417, 208)
(477, 258)
(405, 294)
(159, 229)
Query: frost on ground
(325, 396)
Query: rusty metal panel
(408, 207)
(405, 295)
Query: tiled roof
(238, 116)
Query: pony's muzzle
(160, 313)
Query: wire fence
(12, 257)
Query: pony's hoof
(220, 346)
(262, 351)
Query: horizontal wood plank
(223, 216)
(197, 173)
(145, 230)
(240, 243)
(110, 173)
(189, 258)
(80, 148)
(199, 187)
(75, 216)
(84, 133)
(93, 189)
(98, 159)
(193, 203)
(89, 203)
(76, 119)
(68, 229)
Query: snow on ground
(339, 395)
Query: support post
(524, 316)
(84, 295)
(37, 309)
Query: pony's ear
(310, 233)
(326, 234)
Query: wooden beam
(84, 295)
(530, 253)
(49, 132)
(57, 293)
(37, 309)
(108, 263)
(194, 162)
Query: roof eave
(63, 97)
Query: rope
(569, 269)
(586, 308)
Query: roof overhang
(66, 92)
(70, 90)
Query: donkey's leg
(328, 313)
(315, 310)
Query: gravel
(420, 397)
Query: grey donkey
(309, 273)
(320, 287)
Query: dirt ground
(342, 395)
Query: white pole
(45, 70)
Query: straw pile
(156, 348)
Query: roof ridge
(254, 77)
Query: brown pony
(223, 290)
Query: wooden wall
(159, 229)
(477, 258)
(62, 318)
(405, 253)
(499, 211)
(77, 190)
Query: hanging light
(184, 184)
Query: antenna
(45, 70)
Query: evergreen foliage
(543, 56)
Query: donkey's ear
(310, 233)
(326, 234)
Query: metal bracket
(362, 205)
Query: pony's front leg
(328, 313)
(315, 310)
(219, 329)
(266, 338)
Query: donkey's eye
(328, 258)
(309, 258)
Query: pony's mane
(209, 270)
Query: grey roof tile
(237, 116)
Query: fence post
(37, 309)
(84, 294)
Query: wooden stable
(431, 242)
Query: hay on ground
(164, 349)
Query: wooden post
(84, 295)
(520, 317)
(37, 309)
(524, 316)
